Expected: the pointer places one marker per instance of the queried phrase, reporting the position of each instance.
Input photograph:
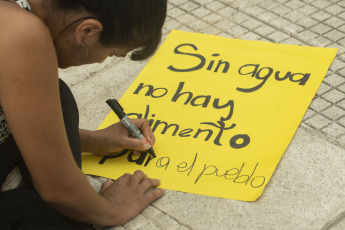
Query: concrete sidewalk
(307, 190)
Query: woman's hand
(116, 138)
(130, 194)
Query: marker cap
(116, 107)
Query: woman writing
(39, 118)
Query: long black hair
(125, 22)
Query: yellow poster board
(223, 112)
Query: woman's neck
(38, 8)
(43, 10)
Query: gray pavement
(307, 190)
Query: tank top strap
(4, 129)
(22, 3)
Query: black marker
(116, 107)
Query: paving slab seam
(320, 131)
(171, 217)
(322, 135)
(333, 222)
(92, 74)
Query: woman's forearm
(89, 141)
(71, 194)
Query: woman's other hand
(130, 194)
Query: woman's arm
(30, 100)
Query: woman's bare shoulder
(21, 27)
(26, 34)
(27, 50)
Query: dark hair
(125, 22)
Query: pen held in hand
(116, 107)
